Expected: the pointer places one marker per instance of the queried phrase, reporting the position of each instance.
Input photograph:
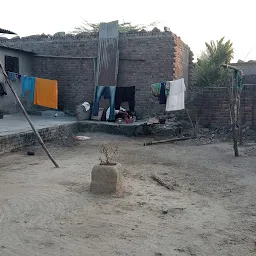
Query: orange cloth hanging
(46, 93)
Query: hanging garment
(46, 93)
(12, 76)
(156, 89)
(176, 96)
(125, 94)
(162, 95)
(108, 92)
(239, 79)
(28, 84)
(2, 89)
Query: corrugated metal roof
(4, 31)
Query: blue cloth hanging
(108, 92)
(28, 84)
(12, 76)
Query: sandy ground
(50, 211)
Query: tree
(124, 27)
(208, 71)
(212, 69)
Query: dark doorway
(11, 64)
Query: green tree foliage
(124, 27)
(208, 71)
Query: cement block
(106, 179)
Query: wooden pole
(234, 104)
(27, 117)
(233, 108)
(168, 140)
(239, 116)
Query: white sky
(195, 21)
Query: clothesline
(42, 92)
(170, 93)
(26, 115)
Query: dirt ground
(49, 211)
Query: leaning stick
(27, 117)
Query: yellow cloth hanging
(46, 93)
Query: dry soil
(210, 211)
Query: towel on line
(176, 98)
(46, 93)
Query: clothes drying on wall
(108, 92)
(162, 95)
(160, 90)
(13, 76)
(171, 93)
(176, 97)
(125, 94)
(42, 92)
(46, 93)
(116, 96)
(28, 84)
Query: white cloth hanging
(176, 97)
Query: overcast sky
(195, 21)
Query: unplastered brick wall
(248, 68)
(212, 106)
(145, 58)
(75, 79)
(183, 60)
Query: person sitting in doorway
(122, 113)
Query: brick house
(144, 58)
(18, 61)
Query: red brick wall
(183, 60)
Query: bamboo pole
(27, 117)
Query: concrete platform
(16, 133)
(12, 124)
(139, 128)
